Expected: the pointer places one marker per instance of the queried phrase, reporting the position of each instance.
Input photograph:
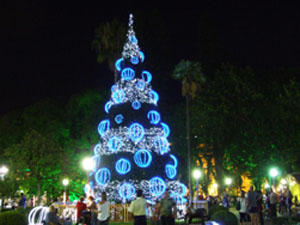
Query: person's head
(81, 198)
(139, 193)
(167, 194)
(22, 194)
(242, 194)
(52, 209)
(251, 188)
(103, 196)
(91, 198)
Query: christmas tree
(134, 152)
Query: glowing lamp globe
(3, 170)
(196, 174)
(88, 164)
(274, 172)
(228, 181)
(65, 182)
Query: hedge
(12, 218)
(224, 217)
(215, 209)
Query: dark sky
(46, 45)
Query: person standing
(51, 217)
(103, 210)
(80, 206)
(259, 203)
(252, 198)
(273, 202)
(22, 202)
(289, 202)
(167, 209)
(243, 208)
(92, 206)
(138, 209)
(225, 201)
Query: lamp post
(65, 182)
(197, 175)
(228, 181)
(273, 173)
(88, 164)
(3, 172)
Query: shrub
(215, 209)
(281, 221)
(225, 218)
(12, 218)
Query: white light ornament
(37, 215)
(131, 48)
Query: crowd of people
(89, 212)
(254, 207)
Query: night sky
(46, 46)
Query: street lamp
(197, 174)
(88, 164)
(228, 181)
(65, 182)
(3, 172)
(274, 173)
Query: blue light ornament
(140, 85)
(97, 149)
(166, 129)
(146, 76)
(123, 166)
(103, 127)
(157, 186)
(174, 160)
(136, 105)
(119, 118)
(107, 106)
(153, 116)
(143, 158)
(133, 39)
(179, 199)
(127, 191)
(118, 96)
(102, 176)
(118, 64)
(97, 160)
(134, 60)
(153, 96)
(171, 171)
(114, 144)
(136, 132)
(142, 56)
(161, 144)
(127, 74)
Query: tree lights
(131, 148)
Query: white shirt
(104, 211)
(243, 204)
(138, 207)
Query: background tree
(191, 76)
(37, 161)
(108, 42)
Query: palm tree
(108, 42)
(191, 76)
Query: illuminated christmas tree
(134, 152)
